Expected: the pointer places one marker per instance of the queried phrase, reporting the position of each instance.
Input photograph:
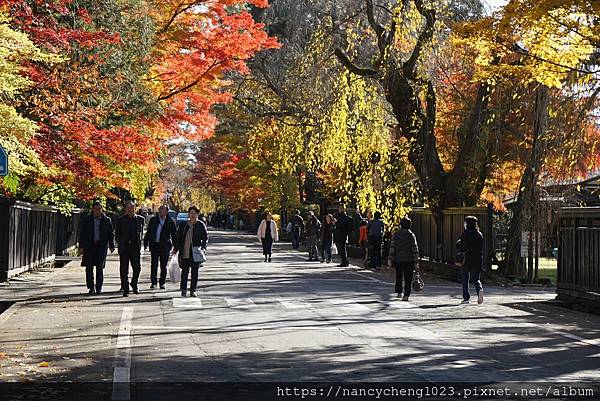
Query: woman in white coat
(267, 233)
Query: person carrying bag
(404, 257)
(192, 238)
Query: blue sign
(3, 162)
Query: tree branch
(353, 68)
(190, 85)
(515, 47)
(180, 9)
(379, 30)
(424, 37)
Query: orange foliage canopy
(93, 133)
(200, 42)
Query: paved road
(287, 321)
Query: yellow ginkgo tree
(15, 130)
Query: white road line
(122, 370)
(248, 327)
(188, 303)
(595, 342)
(240, 303)
(371, 278)
(289, 304)
(398, 304)
(348, 303)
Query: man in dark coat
(297, 230)
(95, 237)
(375, 230)
(343, 227)
(471, 245)
(160, 235)
(129, 233)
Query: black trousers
(375, 244)
(129, 254)
(89, 277)
(404, 270)
(267, 245)
(158, 254)
(188, 265)
(341, 246)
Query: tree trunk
(525, 206)
(412, 97)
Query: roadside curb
(7, 314)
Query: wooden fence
(31, 235)
(424, 227)
(578, 278)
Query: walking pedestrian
(327, 238)
(343, 227)
(471, 245)
(404, 257)
(376, 229)
(129, 232)
(267, 233)
(95, 238)
(192, 236)
(313, 227)
(160, 235)
(297, 230)
(362, 240)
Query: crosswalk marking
(240, 303)
(246, 327)
(289, 304)
(398, 304)
(187, 303)
(348, 303)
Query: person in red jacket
(362, 240)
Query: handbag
(334, 250)
(174, 270)
(461, 257)
(198, 254)
(417, 283)
(288, 228)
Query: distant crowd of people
(223, 219)
(330, 236)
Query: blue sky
(493, 5)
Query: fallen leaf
(43, 364)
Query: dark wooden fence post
(5, 205)
(578, 275)
(453, 218)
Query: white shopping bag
(334, 250)
(174, 270)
